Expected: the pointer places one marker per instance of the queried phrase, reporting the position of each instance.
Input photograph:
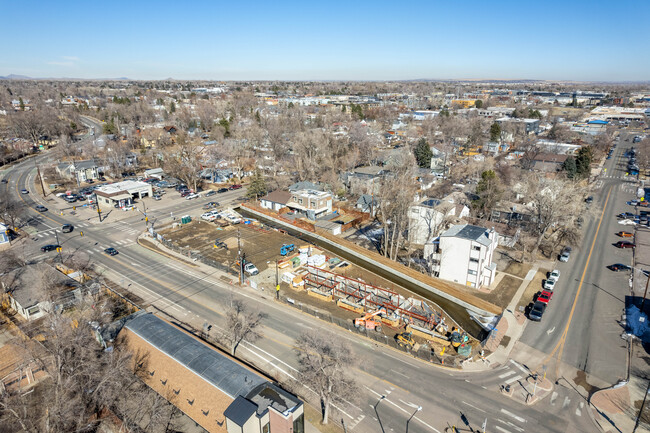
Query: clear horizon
(378, 41)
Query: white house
(429, 217)
(275, 200)
(463, 254)
(311, 203)
(4, 235)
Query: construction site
(312, 276)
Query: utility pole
(58, 246)
(277, 281)
(40, 178)
(241, 265)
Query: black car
(47, 248)
(41, 208)
(210, 193)
(4, 181)
(222, 190)
(111, 251)
(589, 199)
(536, 311)
(618, 267)
(625, 215)
(67, 228)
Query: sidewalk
(615, 409)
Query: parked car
(589, 200)
(48, 248)
(185, 193)
(111, 251)
(624, 244)
(554, 275)
(537, 311)
(565, 255)
(67, 228)
(222, 190)
(233, 187)
(210, 205)
(210, 216)
(191, 196)
(625, 215)
(549, 284)
(41, 208)
(544, 296)
(210, 193)
(251, 269)
(157, 197)
(70, 198)
(633, 202)
(625, 234)
(129, 207)
(24, 191)
(618, 267)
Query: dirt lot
(261, 245)
(518, 269)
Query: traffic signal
(58, 249)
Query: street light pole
(377, 413)
(409, 420)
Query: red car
(544, 296)
(185, 193)
(234, 187)
(623, 244)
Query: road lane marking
(553, 398)
(559, 347)
(566, 402)
(510, 414)
(502, 429)
(509, 424)
(472, 406)
(513, 379)
(519, 366)
(401, 374)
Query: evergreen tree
(225, 124)
(172, 107)
(569, 166)
(257, 187)
(478, 103)
(495, 132)
(22, 104)
(583, 161)
(423, 153)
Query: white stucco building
(429, 217)
(463, 254)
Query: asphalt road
(195, 295)
(592, 342)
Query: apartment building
(311, 203)
(463, 254)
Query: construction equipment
(405, 339)
(286, 249)
(367, 322)
(457, 338)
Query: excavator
(367, 321)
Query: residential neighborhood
(236, 235)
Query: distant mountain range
(25, 77)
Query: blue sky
(336, 40)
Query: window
(299, 424)
(471, 272)
(267, 428)
(473, 260)
(476, 248)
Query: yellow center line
(560, 344)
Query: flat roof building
(121, 194)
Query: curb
(163, 253)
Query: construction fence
(424, 353)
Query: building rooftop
(278, 196)
(212, 366)
(125, 185)
(35, 283)
(469, 232)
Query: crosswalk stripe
(519, 366)
(513, 379)
(39, 235)
(506, 374)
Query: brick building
(213, 389)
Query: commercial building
(121, 194)
(463, 254)
(213, 389)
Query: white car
(210, 216)
(627, 222)
(549, 284)
(554, 275)
(251, 269)
(192, 196)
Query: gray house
(82, 171)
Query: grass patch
(313, 416)
(518, 269)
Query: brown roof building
(212, 388)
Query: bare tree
(325, 364)
(12, 210)
(241, 324)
